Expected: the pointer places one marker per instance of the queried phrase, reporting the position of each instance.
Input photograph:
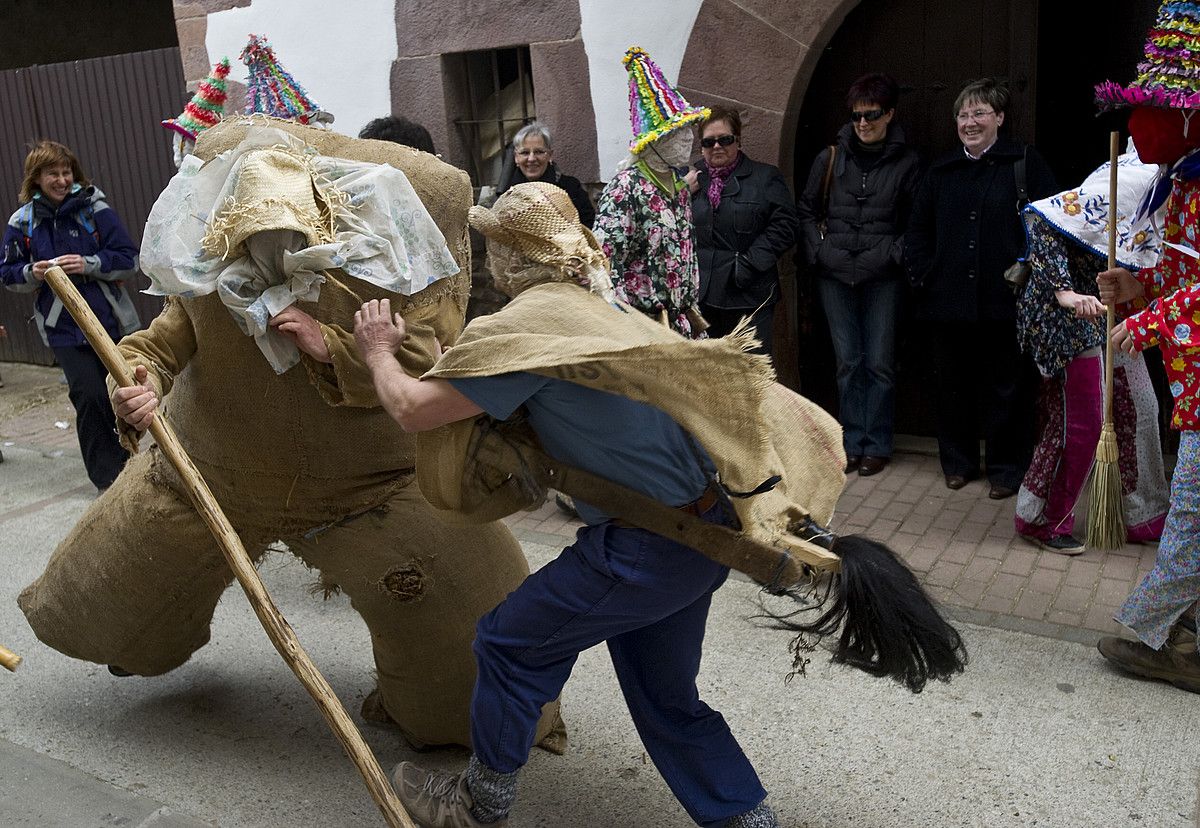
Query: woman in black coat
(745, 219)
(965, 232)
(857, 258)
(533, 160)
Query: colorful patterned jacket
(1172, 319)
(650, 239)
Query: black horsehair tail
(888, 624)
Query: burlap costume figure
(306, 457)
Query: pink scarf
(717, 176)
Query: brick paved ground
(961, 544)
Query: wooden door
(933, 48)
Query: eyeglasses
(974, 115)
(723, 140)
(536, 153)
(871, 115)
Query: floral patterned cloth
(1174, 583)
(1051, 334)
(651, 241)
(1172, 320)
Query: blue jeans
(862, 322)
(648, 598)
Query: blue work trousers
(862, 323)
(648, 598)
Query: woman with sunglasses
(745, 219)
(854, 211)
(966, 230)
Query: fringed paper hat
(1169, 76)
(655, 106)
(204, 109)
(272, 90)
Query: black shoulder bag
(1018, 272)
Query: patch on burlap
(406, 583)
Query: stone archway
(784, 40)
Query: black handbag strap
(1019, 176)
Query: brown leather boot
(1177, 661)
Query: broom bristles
(1106, 509)
(883, 621)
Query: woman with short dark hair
(399, 130)
(745, 220)
(966, 231)
(854, 211)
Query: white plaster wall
(343, 58)
(609, 27)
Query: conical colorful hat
(1169, 76)
(272, 90)
(655, 106)
(204, 109)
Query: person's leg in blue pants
(649, 598)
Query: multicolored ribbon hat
(272, 90)
(204, 109)
(1169, 77)
(655, 106)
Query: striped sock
(760, 817)
(492, 792)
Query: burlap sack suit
(306, 456)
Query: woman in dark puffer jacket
(853, 240)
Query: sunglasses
(723, 140)
(871, 115)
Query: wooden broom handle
(1114, 147)
(8, 659)
(280, 632)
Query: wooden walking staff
(280, 632)
(1106, 516)
(8, 659)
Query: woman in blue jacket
(65, 221)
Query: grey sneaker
(437, 800)
(1063, 545)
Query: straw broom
(1106, 517)
(278, 630)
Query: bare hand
(1122, 339)
(135, 404)
(71, 263)
(1118, 285)
(303, 330)
(1080, 304)
(377, 331)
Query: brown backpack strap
(828, 180)
(826, 183)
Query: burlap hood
(753, 428)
